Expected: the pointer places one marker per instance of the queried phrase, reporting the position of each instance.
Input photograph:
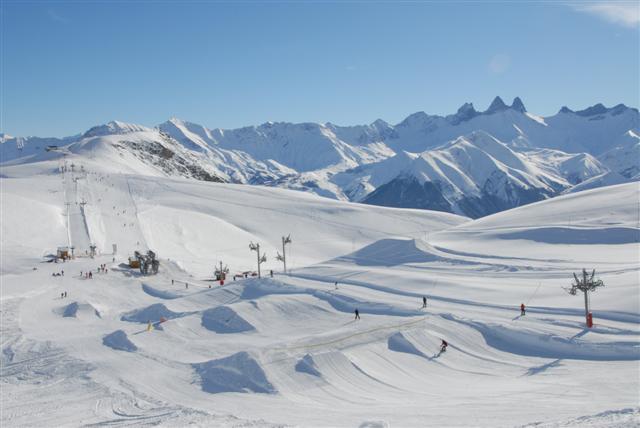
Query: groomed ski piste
(178, 349)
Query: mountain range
(472, 162)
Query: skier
(172, 282)
(336, 285)
(271, 273)
(62, 295)
(522, 309)
(90, 275)
(424, 301)
(186, 285)
(357, 314)
(62, 272)
(443, 346)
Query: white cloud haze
(622, 13)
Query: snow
(287, 351)
(151, 313)
(307, 365)
(398, 343)
(223, 319)
(78, 310)
(119, 341)
(351, 162)
(235, 373)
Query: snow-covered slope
(178, 349)
(475, 175)
(302, 147)
(624, 158)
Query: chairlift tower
(256, 248)
(221, 272)
(588, 283)
(283, 257)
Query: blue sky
(68, 65)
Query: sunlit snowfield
(286, 350)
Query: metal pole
(258, 251)
(586, 301)
(284, 256)
(68, 224)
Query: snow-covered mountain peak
(502, 157)
(415, 120)
(115, 128)
(380, 124)
(191, 135)
(624, 158)
(479, 147)
(176, 121)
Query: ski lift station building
(63, 253)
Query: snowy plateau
(478, 212)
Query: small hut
(134, 263)
(63, 253)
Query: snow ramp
(162, 294)
(152, 313)
(397, 251)
(119, 341)
(239, 372)
(79, 310)
(399, 343)
(224, 320)
(534, 343)
(307, 365)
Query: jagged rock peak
(593, 110)
(466, 109)
(464, 113)
(496, 105)
(518, 105)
